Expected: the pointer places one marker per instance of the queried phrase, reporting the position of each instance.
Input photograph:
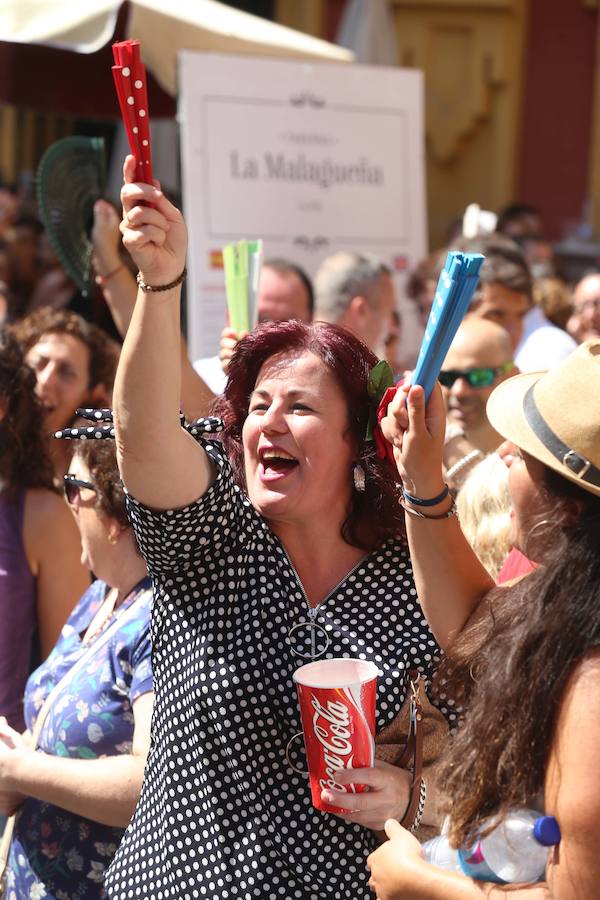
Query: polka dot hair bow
(97, 431)
(129, 74)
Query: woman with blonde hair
(483, 504)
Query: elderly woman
(76, 795)
(265, 552)
(529, 653)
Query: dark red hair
(375, 514)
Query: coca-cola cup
(337, 705)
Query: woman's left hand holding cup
(153, 230)
(387, 797)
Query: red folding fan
(129, 74)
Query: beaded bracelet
(418, 501)
(419, 515)
(149, 288)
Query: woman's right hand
(153, 230)
(417, 434)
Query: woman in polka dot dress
(265, 552)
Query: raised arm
(449, 578)
(119, 289)
(160, 463)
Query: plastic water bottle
(516, 851)
(439, 853)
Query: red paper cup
(337, 705)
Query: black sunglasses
(477, 378)
(73, 485)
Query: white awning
(163, 28)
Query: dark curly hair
(100, 458)
(104, 352)
(24, 461)
(512, 666)
(375, 514)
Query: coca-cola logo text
(334, 737)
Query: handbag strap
(102, 639)
(412, 756)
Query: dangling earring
(358, 474)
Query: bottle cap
(546, 831)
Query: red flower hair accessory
(381, 390)
(383, 446)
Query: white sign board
(310, 157)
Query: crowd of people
(229, 519)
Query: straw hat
(555, 415)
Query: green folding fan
(70, 178)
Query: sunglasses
(72, 487)
(476, 378)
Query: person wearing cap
(524, 658)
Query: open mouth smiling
(275, 462)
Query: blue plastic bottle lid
(546, 831)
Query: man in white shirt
(542, 344)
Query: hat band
(568, 457)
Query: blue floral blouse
(55, 853)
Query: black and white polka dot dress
(222, 813)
